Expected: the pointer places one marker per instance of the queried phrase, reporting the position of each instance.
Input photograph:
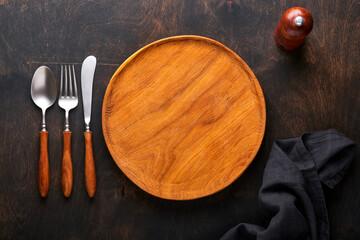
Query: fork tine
(66, 82)
(61, 80)
(75, 87)
(70, 83)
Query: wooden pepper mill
(295, 25)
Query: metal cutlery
(43, 93)
(68, 99)
(87, 77)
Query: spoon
(43, 93)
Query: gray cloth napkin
(291, 198)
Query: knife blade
(87, 78)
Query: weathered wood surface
(316, 87)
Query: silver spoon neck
(43, 125)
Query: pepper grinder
(294, 26)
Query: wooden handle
(66, 168)
(90, 173)
(43, 164)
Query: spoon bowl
(43, 89)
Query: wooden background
(316, 87)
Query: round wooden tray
(183, 117)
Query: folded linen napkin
(291, 196)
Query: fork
(68, 100)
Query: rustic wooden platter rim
(188, 194)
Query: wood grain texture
(43, 178)
(66, 166)
(90, 172)
(183, 117)
(312, 88)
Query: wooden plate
(183, 117)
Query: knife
(87, 77)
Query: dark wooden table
(314, 88)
